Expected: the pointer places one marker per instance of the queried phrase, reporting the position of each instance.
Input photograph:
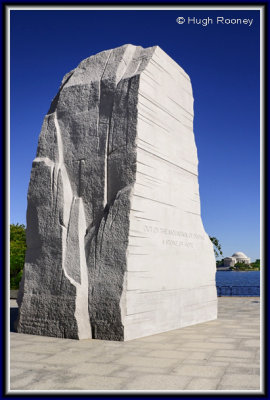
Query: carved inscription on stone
(172, 237)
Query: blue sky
(223, 62)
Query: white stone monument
(116, 247)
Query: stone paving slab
(218, 355)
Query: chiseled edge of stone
(107, 330)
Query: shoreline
(224, 269)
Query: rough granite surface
(116, 248)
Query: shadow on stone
(13, 318)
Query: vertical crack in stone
(70, 216)
(127, 108)
(110, 52)
(110, 270)
(80, 186)
(98, 122)
(105, 201)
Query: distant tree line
(241, 266)
(255, 266)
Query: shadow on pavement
(13, 317)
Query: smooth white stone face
(116, 248)
(171, 265)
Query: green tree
(256, 265)
(241, 266)
(17, 254)
(216, 245)
(220, 262)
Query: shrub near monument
(17, 254)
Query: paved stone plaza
(219, 355)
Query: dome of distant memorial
(238, 257)
(239, 254)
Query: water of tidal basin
(238, 280)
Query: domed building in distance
(236, 258)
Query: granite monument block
(116, 248)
